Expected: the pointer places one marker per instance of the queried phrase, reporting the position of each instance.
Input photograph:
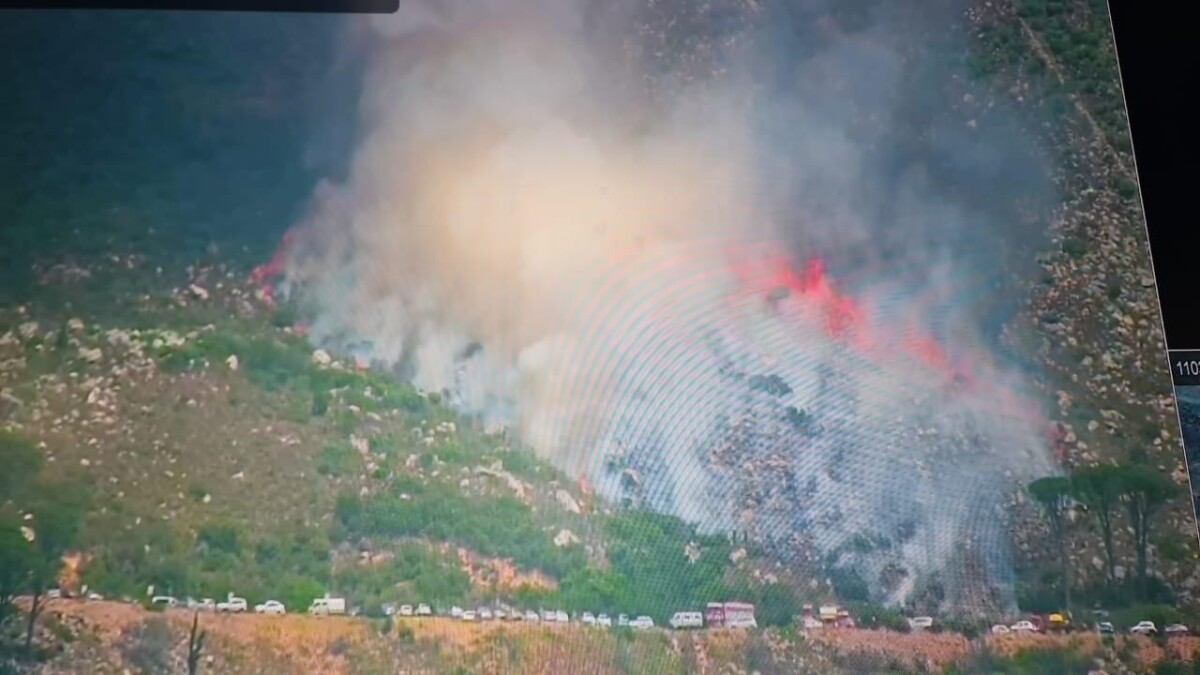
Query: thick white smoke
(562, 222)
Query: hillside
(168, 427)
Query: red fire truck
(730, 615)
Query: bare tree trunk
(34, 610)
(1109, 553)
(195, 645)
(1061, 526)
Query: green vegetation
(291, 565)
(414, 571)
(284, 365)
(338, 459)
(494, 526)
(873, 616)
(40, 520)
(1104, 491)
(1079, 36)
(1054, 495)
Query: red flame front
(264, 275)
(815, 296)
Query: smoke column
(683, 250)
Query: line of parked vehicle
(237, 605)
(1102, 627)
(678, 621)
(730, 614)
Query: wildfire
(264, 275)
(814, 295)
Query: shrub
(879, 617)
(219, 538)
(148, 647)
(1126, 188)
(1076, 247)
(338, 459)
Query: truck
(828, 616)
(730, 615)
(327, 605)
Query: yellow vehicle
(1058, 622)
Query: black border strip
(292, 6)
(1152, 53)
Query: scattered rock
(567, 502)
(27, 330)
(75, 325)
(198, 292)
(321, 357)
(565, 537)
(360, 444)
(737, 556)
(232, 362)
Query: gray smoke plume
(589, 221)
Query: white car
(1105, 628)
(921, 622)
(604, 620)
(93, 595)
(1024, 627)
(207, 605)
(424, 610)
(468, 615)
(643, 622)
(233, 604)
(588, 619)
(270, 607)
(1176, 629)
(456, 612)
(406, 610)
(561, 617)
(1000, 629)
(622, 619)
(164, 600)
(485, 614)
(500, 614)
(53, 594)
(532, 616)
(1144, 628)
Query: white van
(687, 620)
(327, 605)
